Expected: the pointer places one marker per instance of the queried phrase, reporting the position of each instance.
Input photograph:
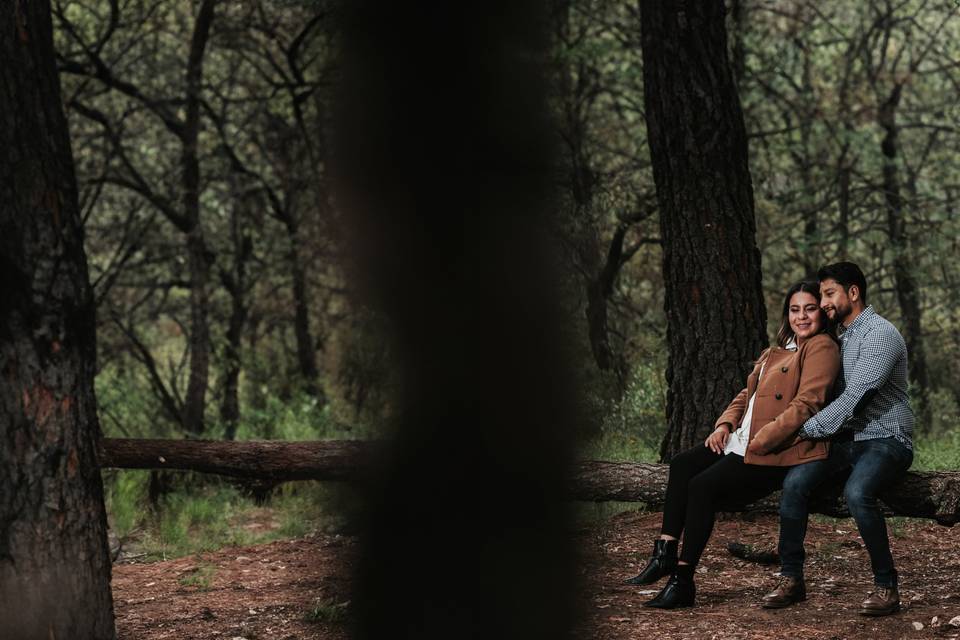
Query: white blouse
(737, 442)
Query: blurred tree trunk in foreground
(445, 183)
(716, 319)
(54, 564)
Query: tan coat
(795, 385)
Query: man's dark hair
(846, 274)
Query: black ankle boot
(662, 563)
(678, 592)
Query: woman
(753, 446)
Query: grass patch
(197, 520)
(937, 453)
(591, 513)
(327, 611)
(898, 526)
(198, 578)
(206, 514)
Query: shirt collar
(859, 322)
(792, 345)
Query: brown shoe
(788, 591)
(881, 602)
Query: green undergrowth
(205, 514)
(937, 453)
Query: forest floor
(299, 589)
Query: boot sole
(876, 613)
(782, 605)
(638, 583)
(676, 606)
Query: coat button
(783, 369)
(778, 396)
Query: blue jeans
(873, 465)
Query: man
(871, 425)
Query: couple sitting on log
(782, 431)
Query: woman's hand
(717, 440)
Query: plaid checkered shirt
(873, 400)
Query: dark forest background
(202, 146)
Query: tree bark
(54, 560)
(922, 494)
(933, 495)
(711, 266)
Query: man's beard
(841, 313)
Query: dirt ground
(728, 589)
(299, 589)
(284, 590)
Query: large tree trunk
(711, 266)
(450, 213)
(934, 495)
(905, 284)
(54, 561)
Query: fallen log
(924, 494)
(921, 494)
(260, 459)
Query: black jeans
(701, 483)
(873, 466)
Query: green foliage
(937, 453)
(125, 493)
(300, 417)
(633, 425)
(126, 406)
(945, 416)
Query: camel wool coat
(794, 386)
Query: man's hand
(717, 440)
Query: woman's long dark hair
(785, 333)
